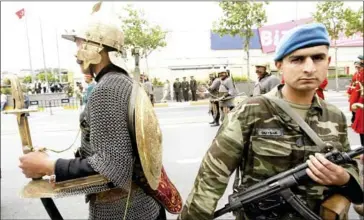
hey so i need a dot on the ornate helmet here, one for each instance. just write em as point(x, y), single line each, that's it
point(97, 35)
point(266, 65)
point(222, 69)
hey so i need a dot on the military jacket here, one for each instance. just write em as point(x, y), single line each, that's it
point(273, 143)
point(227, 88)
point(185, 86)
point(177, 86)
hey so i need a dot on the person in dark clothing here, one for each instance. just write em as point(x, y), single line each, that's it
point(193, 87)
point(177, 90)
point(185, 89)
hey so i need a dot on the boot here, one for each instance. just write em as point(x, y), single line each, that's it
point(215, 125)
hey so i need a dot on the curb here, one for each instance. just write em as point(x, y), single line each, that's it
point(183, 104)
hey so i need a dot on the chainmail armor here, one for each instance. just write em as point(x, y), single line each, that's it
point(106, 143)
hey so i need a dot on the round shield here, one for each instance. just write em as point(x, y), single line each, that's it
point(149, 138)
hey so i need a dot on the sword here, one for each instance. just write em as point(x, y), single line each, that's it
point(26, 140)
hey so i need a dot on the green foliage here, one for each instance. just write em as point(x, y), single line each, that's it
point(27, 79)
point(240, 18)
point(6, 91)
point(354, 21)
point(332, 76)
point(157, 82)
point(338, 19)
point(51, 78)
point(139, 33)
point(6, 82)
point(240, 78)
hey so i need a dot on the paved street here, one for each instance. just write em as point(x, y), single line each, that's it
point(186, 137)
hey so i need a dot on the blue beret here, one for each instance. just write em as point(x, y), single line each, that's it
point(303, 36)
point(361, 57)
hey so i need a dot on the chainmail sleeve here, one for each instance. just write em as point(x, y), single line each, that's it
point(109, 136)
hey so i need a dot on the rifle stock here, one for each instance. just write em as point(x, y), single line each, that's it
point(277, 184)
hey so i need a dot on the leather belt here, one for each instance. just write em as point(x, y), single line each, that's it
point(111, 195)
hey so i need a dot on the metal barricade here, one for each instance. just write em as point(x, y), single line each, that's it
point(65, 103)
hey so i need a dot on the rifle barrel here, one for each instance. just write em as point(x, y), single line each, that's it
point(283, 180)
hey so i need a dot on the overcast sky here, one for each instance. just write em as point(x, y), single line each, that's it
point(181, 18)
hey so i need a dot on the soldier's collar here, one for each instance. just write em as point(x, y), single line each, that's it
point(316, 102)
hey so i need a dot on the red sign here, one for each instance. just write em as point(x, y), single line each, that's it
point(20, 13)
point(271, 34)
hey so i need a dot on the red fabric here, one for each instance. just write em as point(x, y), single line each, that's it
point(355, 91)
point(354, 97)
point(360, 76)
point(324, 84)
point(320, 90)
point(320, 93)
point(353, 79)
point(358, 125)
point(20, 13)
point(168, 195)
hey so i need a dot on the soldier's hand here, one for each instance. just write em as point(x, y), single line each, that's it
point(36, 164)
point(362, 159)
point(325, 172)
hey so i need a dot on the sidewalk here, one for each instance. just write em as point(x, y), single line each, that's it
point(182, 104)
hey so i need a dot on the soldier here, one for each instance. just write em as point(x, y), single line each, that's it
point(185, 89)
point(193, 87)
point(353, 95)
point(226, 92)
point(214, 86)
point(108, 144)
point(302, 57)
point(177, 90)
point(266, 81)
point(358, 102)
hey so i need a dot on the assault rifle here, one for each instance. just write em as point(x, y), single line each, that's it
point(268, 195)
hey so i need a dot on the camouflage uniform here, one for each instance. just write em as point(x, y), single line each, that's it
point(273, 143)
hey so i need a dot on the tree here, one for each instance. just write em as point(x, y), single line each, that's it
point(239, 18)
point(338, 20)
point(50, 76)
point(27, 79)
point(354, 21)
point(139, 33)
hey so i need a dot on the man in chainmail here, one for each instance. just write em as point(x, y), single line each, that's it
point(213, 88)
point(266, 81)
point(226, 93)
point(106, 144)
